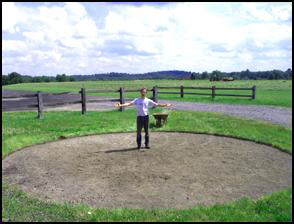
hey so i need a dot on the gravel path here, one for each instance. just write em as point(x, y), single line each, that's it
point(277, 115)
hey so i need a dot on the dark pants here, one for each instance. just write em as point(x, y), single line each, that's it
point(142, 121)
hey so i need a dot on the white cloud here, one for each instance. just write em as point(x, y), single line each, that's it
point(137, 21)
point(9, 17)
point(275, 54)
point(86, 28)
point(76, 11)
point(36, 36)
point(260, 14)
point(282, 12)
point(266, 35)
point(265, 12)
point(13, 46)
point(186, 36)
point(54, 22)
point(71, 43)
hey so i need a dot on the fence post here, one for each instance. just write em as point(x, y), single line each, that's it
point(83, 98)
point(40, 105)
point(182, 91)
point(253, 92)
point(213, 92)
point(121, 97)
point(155, 94)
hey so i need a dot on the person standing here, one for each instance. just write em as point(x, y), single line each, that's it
point(142, 104)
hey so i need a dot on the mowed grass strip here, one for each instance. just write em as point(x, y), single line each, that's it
point(268, 92)
point(18, 206)
point(22, 129)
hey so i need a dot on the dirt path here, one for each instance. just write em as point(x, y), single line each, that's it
point(277, 115)
point(180, 171)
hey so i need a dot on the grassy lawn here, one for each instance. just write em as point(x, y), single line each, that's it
point(21, 129)
point(268, 92)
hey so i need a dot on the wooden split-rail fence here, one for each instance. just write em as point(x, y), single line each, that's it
point(155, 92)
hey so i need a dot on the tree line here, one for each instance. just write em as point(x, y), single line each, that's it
point(216, 75)
point(14, 78)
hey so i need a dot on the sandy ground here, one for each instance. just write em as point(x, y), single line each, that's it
point(179, 171)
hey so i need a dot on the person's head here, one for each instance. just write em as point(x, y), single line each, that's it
point(143, 92)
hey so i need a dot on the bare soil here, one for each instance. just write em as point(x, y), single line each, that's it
point(180, 170)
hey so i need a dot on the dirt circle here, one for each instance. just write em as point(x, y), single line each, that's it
point(181, 170)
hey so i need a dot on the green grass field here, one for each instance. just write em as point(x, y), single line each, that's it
point(21, 129)
point(268, 92)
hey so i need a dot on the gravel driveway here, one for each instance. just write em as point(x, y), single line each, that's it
point(277, 115)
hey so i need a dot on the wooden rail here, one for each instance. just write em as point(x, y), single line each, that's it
point(63, 93)
point(103, 100)
point(102, 91)
point(196, 87)
point(213, 89)
point(20, 96)
point(83, 100)
point(202, 94)
point(62, 103)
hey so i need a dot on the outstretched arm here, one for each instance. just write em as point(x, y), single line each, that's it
point(164, 105)
point(124, 105)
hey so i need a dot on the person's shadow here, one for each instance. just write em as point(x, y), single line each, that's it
point(121, 150)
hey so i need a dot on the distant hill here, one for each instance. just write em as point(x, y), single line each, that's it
point(174, 74)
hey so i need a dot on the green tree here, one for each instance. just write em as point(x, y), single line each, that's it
point(61, 78)
point(5, 80)
point(46, 79)
point(270, 75)
point(204, 75)
point(245, 74)
point(58, 78)
point(15, 77)
point(278, 74)
point(216, 75)
point(289, 73)
point(37, 79)
point(27, 79)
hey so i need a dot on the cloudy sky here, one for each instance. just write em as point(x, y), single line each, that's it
point(87, 38)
